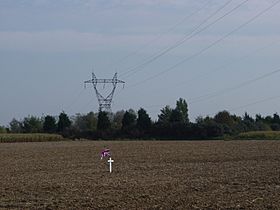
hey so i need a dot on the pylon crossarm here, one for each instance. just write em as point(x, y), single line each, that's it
point(104, 102)
point(104, 81)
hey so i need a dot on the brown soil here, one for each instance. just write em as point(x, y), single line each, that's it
point(146, 175)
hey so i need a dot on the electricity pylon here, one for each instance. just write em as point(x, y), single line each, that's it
point(104, 102)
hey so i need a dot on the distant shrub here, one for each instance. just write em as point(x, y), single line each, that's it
point(3, 129)
point(34, 137)
point(259, 135)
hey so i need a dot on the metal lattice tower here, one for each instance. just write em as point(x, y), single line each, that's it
point(104, 102)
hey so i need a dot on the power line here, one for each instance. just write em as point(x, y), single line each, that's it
point(249, 104)
point(87, 104)
point(159, 36)
point(218, 93)
point(224, 66)
point(186, 37)
point(74, 101)
point(209, 46)
point(256, 102)
point(243, 84)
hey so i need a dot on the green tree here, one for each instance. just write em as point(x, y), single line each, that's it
point(276, 118)
point(3, 129)
point(80, 122)
point(224, 117)
point(182, 108)
point(117, 119)
point(86, 122)
point(49, 125)
point(199, 120)
point(165, 115)
point(32, 124)
point(63, 122)
point(16, 126)
point(129, 120)
point(248, 118)
point(214, 129)
point(103, 122)
point(259, 118)
point(91, 121)
point(143, 121)
point(248, 123)
point(176, 117)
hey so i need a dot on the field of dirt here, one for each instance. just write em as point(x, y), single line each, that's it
point(146, 175)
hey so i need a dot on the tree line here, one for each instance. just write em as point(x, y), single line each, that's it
point(172, 123)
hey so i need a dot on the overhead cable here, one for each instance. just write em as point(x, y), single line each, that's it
point(186, 37)
point(209, 46)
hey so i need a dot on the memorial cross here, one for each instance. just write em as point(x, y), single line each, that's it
point(110, 161)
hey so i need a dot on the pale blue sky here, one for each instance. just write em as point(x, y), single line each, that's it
point(49, 47)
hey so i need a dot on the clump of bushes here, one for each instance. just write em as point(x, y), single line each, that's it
point(259, 135)
point(29, 137)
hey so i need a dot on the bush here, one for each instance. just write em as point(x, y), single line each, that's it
point(35, 137)
point(259, 135)
point(3, 129)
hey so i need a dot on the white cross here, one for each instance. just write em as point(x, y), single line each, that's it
point(110, 161)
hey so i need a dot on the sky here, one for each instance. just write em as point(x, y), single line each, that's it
point(216, 54)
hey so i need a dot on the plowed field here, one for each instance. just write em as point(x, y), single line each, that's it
point(146, 175)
